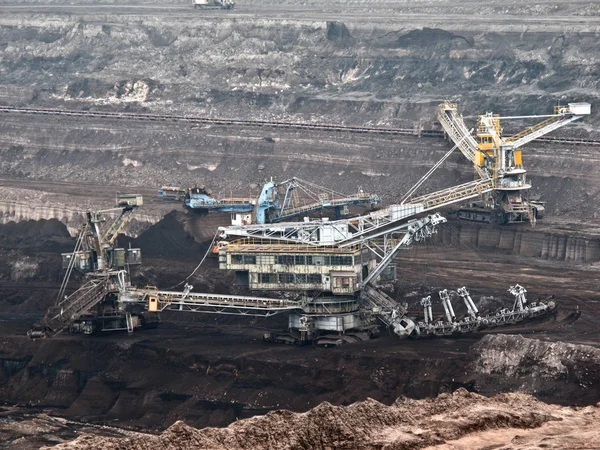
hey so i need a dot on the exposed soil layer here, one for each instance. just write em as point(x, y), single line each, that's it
point(211, 375)
point(541, 367)
point(28, 428)
point(458, 420)
point(306, 61)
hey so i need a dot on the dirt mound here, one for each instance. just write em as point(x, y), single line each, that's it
point(369, 424)
point(338, 33)
point(31, 232)
point(168, 239)
point(30, 265)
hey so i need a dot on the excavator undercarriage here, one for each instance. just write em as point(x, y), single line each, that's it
point(478, 212)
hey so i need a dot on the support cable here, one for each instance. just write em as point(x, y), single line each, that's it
point(71, 265)
point(208, 250)
point(425, 177)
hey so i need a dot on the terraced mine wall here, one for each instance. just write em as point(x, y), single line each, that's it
point(289, 60)
point(523, 241)
point(362, 72)
point(389, 72)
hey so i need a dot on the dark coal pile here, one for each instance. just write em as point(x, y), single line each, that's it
point(46, 235)
point(168, 239)
point(30, 265)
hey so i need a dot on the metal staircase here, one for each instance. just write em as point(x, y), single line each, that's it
point(76, 304)
point(532, 133)
point(455, 128)
point(379, 299)
point(117, 226)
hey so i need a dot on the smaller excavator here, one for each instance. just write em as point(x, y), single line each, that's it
point(95, 306)
point(277, 201)
point(498, 163)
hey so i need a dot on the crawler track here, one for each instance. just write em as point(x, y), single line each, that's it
point(261, 123)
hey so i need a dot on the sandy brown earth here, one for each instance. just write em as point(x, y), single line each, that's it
point(451, 421)
point(211, 371)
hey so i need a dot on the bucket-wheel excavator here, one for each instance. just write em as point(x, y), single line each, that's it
point(329, 269)
point(338, 264)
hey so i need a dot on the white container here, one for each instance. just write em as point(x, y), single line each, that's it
point(398, 212)
point(580, 109)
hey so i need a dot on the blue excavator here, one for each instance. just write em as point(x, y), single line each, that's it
point(276, 202)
